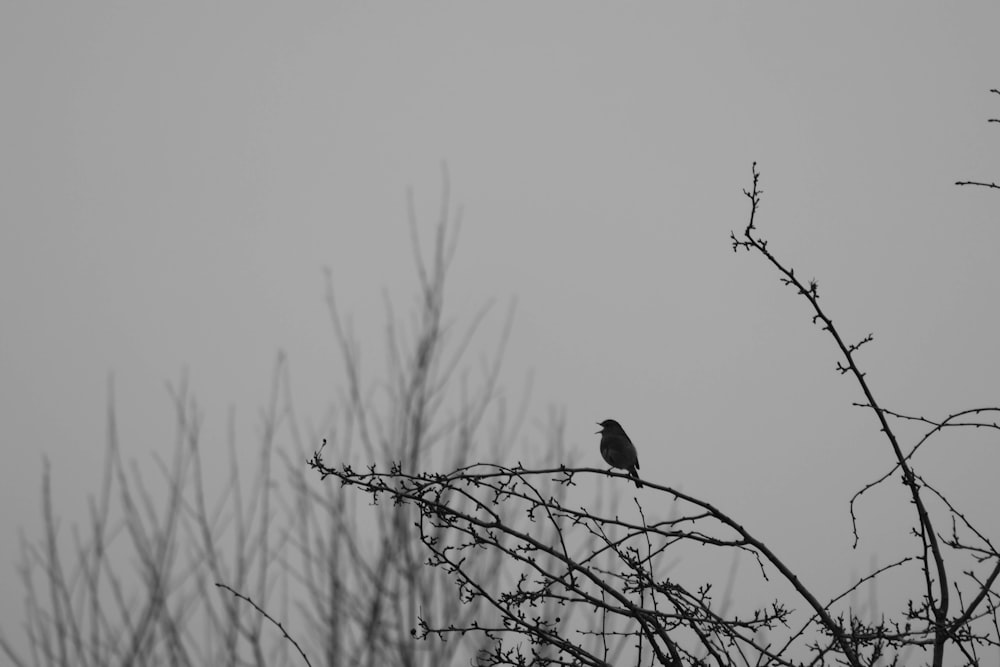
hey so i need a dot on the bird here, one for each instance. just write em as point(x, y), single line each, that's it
point(617, 449)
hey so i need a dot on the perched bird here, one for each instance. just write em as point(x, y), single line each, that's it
point(618, 450)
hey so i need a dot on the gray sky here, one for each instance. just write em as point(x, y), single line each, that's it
point(174, 178)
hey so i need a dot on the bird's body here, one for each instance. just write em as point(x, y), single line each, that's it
point(617, 449)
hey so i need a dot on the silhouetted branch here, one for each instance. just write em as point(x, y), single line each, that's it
point(984, 184)
point(560, 558)
point(934, 609)
point(263, 613)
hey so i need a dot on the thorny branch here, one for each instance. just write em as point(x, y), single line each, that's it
point(559, 558)
point(936, 600)
point(984, 184)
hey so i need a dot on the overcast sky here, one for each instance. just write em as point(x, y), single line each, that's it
point(175, 177)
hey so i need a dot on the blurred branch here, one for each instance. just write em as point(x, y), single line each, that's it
point(349, 576)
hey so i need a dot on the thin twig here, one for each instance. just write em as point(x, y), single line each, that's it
point(268, 617)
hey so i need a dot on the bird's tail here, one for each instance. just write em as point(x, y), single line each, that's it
point(635, 478)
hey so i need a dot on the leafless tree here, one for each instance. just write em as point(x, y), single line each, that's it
point(193, 568)
point(611, 573)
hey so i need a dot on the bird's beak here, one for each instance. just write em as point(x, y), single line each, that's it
point(602, 428)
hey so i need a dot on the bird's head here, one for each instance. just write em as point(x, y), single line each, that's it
point(610, 426)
